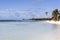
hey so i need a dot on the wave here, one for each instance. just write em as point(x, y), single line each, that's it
point(53, 22)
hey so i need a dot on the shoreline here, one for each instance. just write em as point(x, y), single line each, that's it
point(54, 22)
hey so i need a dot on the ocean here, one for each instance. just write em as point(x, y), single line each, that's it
point(29, 30)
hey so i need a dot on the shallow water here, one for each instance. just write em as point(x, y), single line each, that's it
point(39, 30)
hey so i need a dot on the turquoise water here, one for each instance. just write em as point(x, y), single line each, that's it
point(37, 30)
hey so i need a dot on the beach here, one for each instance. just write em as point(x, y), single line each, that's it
point(38, 30)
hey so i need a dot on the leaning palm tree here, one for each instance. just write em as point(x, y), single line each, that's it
point(55, 14)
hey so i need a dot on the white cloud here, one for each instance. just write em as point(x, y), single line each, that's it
point(19, 14)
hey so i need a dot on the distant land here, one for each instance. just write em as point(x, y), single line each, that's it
point(40, 19)
point(32, 19)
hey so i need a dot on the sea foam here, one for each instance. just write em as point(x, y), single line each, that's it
point(54, 22)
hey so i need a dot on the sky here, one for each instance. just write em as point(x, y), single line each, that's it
point(25, 9)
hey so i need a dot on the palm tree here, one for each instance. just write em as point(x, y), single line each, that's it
point(55, 14)
point(46, 13)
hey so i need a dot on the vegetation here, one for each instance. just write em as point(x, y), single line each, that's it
point(40, 19)
point(46, 13)
point(55, 16)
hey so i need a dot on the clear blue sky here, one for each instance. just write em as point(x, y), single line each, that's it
point(18, 9)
